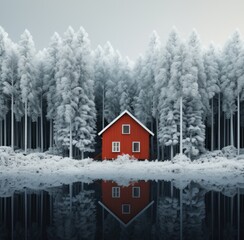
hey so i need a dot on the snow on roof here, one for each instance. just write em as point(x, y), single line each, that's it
point(123, 113)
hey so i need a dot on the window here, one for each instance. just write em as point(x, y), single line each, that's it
point(115, 146)
point(115, 192)
point(136, 192)
point(125, 208)
point(126, 129)
point(135, 146)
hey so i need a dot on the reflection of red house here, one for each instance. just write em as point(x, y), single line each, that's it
point(126, 203)
point(125, 135)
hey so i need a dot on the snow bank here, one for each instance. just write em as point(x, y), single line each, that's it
point(42, 170)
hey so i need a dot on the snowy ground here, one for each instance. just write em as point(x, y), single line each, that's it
point(41, 170)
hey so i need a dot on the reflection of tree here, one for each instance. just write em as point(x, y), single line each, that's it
point(35, 231)
point(141, 227)
point(19, 232)
point(85, 215)
point(168, 218)
point(3, 233)
point(74, 218)
point(194, 209)
point(111, 227)
point(230, 232)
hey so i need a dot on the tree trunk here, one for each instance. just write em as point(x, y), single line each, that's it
point(70, 141)
point(29, 133)
point(82, 154)
point(37, 143)
point(21, 124)
point(227, 132)
point(219, 124)
point(181, 126)
point(224, 132)
point(5, 130)
point(103, 108)
point(41, 128)
point(1, 132)
point(158, 146)
point(17, 134)
point(26, 126)
point(151, 138)
point(212, 125)
point(238, 124)
point(171, 152)
point(242, 136)
point(51, 133)
point(231, 131)
point(12, 121)
point(190, 152)
point(162, 152)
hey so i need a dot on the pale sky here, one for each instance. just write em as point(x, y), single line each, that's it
point(127, 24)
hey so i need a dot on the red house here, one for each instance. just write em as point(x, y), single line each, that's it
point(126, 204)
point(125, 135)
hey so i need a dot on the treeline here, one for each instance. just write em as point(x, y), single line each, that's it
point(60, 97)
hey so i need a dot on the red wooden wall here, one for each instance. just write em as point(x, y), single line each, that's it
point(114, 134)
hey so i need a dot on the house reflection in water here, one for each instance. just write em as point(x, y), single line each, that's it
point(126, 203)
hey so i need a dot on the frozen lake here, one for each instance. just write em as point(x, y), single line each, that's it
point(138, 210)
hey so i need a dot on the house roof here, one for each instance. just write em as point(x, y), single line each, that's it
point(122, 114)
point(136, 216)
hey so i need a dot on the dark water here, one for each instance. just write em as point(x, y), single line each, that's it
point(142, 210)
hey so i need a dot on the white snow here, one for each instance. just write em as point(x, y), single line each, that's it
point(42, 170)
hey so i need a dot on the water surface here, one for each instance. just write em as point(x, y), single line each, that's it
point(138, 210)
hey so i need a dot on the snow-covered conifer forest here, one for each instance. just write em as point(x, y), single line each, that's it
point(58, 98)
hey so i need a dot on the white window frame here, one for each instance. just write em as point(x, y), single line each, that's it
point(133, 192)
point(123, 128)
point(115, 192)
point(123, 208)
point(113, 147)
point(133, 147)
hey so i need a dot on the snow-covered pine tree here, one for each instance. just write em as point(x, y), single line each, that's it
point(100, 80)
point(26, 72)
point(184, 84)
point(144, 100)
point(163, 69)
point(211, 67)
point(229, 78)
point(11, 81)
point(168, 130)
point(195, 48)
point(85, 116)
point(68, 89)
point(163, 106)
point(112, 98)
point(40, 90)
point(218, 52)
point(3, 101)
point(51, 82)
point(126, 86)
point(240, 91)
